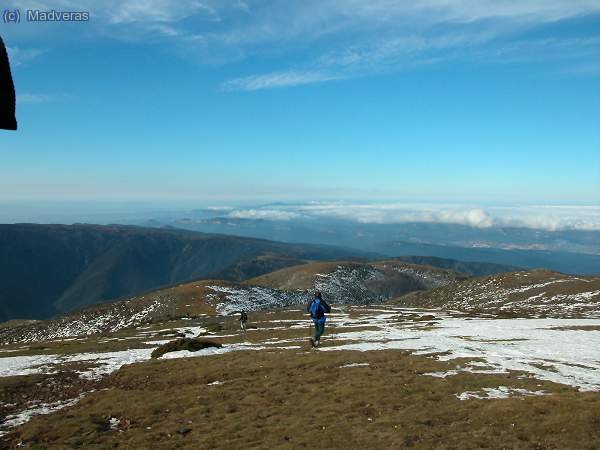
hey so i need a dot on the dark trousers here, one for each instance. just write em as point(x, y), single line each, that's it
point(319, 329)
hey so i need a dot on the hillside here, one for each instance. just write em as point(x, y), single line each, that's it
point(51, 269)
point(357, 283)
point(341, 283)
point(538, 293)
point(385, 376)
point(473, 268)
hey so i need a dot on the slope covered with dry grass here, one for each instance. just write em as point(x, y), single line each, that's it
point(386, 376)
point(538, 293)
point(289, 399)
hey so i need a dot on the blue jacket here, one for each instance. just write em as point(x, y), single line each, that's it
point(317, 309)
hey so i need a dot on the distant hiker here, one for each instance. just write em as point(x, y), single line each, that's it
point(317, 309)
point(243, 319)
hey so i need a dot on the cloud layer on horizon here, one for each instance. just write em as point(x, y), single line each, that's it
point(543, 217)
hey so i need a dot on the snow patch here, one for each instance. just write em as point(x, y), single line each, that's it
point(114, 423)
point(15, 420)
point(354, 365)
point(570, 357)
point(251, 298)
point(498, 393)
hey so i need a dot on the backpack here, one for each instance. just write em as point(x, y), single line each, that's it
point(318, 310)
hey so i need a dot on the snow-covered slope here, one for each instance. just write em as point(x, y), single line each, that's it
point(340, 283)
point(231, 299)
point(359, 283)
point(108, 318)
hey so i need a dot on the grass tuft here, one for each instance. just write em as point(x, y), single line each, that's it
point(190, 344)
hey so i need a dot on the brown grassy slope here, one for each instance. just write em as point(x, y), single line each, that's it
point(298, 399)
point(192, 294)
point(177, 298)
point(296, 277)
point(522, 293)
point(303, 276)
point(185, 300)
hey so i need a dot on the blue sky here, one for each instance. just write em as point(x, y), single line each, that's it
point(489, 102)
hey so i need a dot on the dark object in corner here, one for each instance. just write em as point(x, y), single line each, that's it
point(8, 121)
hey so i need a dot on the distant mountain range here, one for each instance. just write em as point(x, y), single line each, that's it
point(474, 268)
point(51, 269)
point(566, 262)
point(537, 293)
point(48, 270)
point(341, 282)
point(568, 251)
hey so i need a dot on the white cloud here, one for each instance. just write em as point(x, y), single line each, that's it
point(20, 56)
point(252, 22)
point(219, 208)
point(354, 37)
point(399, 213)
point(266, 214)
point(33, 98)
point(277, 80)
point(27, 97)
point(537, 217)
point(151, 11)
point(474, 10)
point(583, 69)
point(386, 36)
point(123, 11)
point(310, 16)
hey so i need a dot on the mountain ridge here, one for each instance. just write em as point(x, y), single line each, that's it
point(347, 283)
point(49, 269)
point(534, 293)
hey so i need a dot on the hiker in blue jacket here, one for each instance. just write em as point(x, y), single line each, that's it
point(317, 309)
